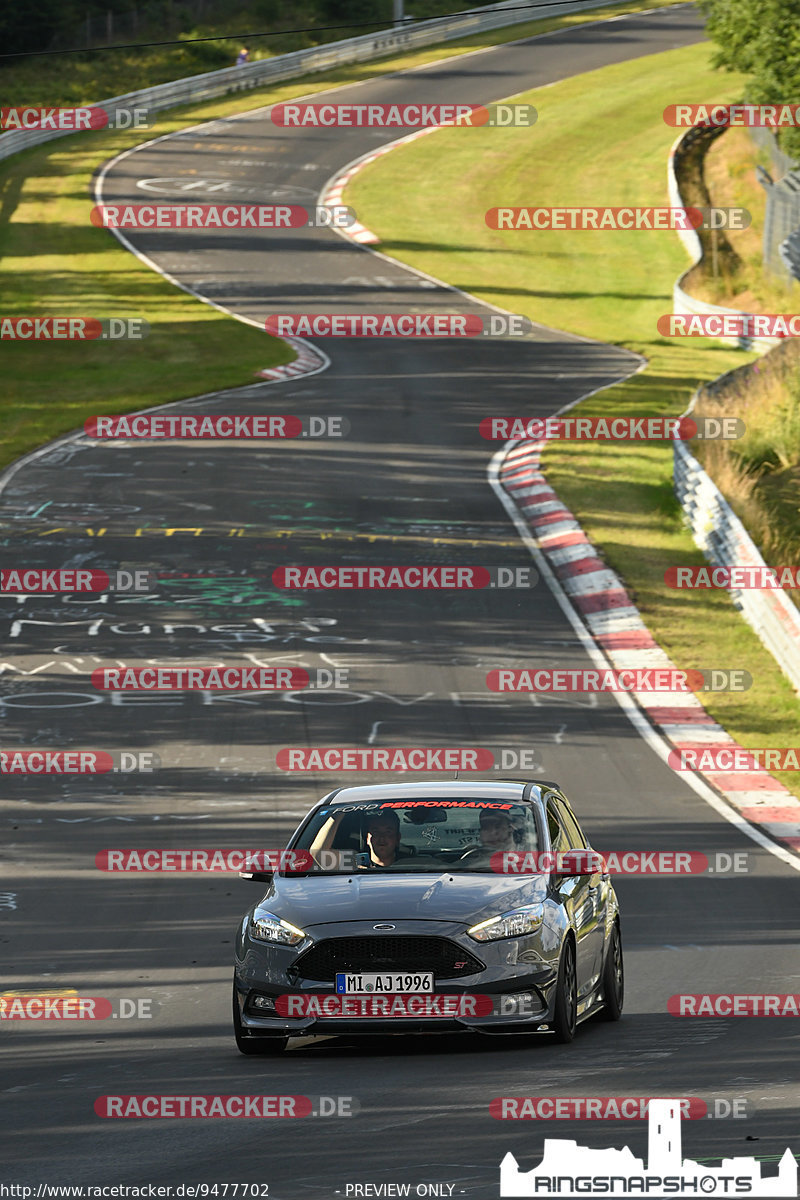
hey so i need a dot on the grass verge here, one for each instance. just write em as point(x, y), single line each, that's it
point(591, 145)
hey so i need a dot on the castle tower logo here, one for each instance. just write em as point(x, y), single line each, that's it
point(569, 1170)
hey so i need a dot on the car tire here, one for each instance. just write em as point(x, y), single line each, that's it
point(613, 978)
point(565, 1014)
point(262, 1046)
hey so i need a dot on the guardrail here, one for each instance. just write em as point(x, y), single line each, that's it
point(725, 542)
point(716, 529)
point(789, 251)
point(368, 46)
point(683, 301)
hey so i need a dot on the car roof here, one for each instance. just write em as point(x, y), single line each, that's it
point(498, 789)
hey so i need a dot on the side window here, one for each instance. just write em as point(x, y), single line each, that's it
point(576, 839)
point(558, 839)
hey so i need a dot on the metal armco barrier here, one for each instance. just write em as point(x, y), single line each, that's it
point(719, 533)
point(304, 62)
point(716, 529)
point(789, 251)
point(682, 301)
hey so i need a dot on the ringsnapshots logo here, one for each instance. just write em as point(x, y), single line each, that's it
point(221, 216)
point(215, 427)
point(568, 1169)
point(74, 120)
point(640, 218)
point(634, 679)
point(610, 429)
point(19, 581)
point(398, 325)
point(73, 329)
point(403, 578)
point(403, 116)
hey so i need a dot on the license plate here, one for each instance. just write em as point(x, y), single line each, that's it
point(388, 981)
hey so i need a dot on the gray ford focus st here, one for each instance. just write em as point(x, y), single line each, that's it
point(430, 907)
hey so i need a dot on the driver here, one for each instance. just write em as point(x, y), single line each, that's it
point(383, 838)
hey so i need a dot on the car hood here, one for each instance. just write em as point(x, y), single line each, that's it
point(328, 899)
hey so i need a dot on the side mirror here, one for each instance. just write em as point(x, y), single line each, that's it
point(580, 863)
point(257, 876)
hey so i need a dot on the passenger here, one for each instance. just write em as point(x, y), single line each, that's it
point(497, 830)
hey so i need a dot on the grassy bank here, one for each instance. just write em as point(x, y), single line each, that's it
point(592, 145)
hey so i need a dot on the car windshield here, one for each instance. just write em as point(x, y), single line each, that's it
point(416, 835)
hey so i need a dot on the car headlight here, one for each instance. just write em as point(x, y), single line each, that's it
point(269, 928)
point(516, 923)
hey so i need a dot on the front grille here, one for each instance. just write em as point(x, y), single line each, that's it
point(321, 962)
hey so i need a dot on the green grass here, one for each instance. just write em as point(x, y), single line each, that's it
point(54, 263)
point(600, 139)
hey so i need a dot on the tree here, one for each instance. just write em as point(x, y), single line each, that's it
point(760, 38)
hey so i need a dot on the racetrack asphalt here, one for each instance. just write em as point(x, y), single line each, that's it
point(408, 485)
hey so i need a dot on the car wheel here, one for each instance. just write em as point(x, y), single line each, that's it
point(613, 978)
point(565, 1016)
point(254, 1045)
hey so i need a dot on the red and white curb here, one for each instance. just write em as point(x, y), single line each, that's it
point(309, 360)
point(616, 626)
point(334, 189)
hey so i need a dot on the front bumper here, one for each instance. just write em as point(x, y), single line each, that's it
point(510, 967)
